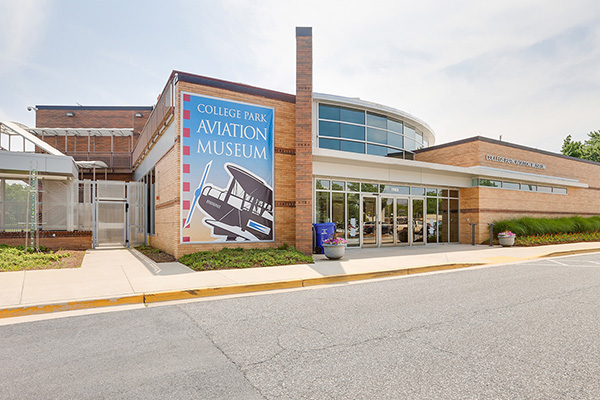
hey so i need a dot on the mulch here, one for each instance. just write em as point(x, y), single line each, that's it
point(158, 256)
point(72, 261)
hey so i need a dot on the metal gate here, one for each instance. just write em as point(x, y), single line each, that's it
point(118, 218)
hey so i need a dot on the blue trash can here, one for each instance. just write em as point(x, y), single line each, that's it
point(322, 231)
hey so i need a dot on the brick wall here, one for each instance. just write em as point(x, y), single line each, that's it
point(484, 205)
point(105, 117)
point(304, 89)
point(167, 214)
point(55, 240)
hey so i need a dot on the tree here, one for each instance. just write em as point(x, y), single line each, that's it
point(587, 150)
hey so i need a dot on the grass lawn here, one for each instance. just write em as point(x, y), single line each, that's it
point(244, 258)
point(17, 259)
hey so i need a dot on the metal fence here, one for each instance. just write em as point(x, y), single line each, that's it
point(112, 210)
point(164, 106)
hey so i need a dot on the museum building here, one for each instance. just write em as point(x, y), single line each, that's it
point(227, 164)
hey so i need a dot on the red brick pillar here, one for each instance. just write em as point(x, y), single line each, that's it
point(304, 140)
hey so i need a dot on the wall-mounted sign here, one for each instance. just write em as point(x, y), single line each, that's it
point(226, 171)
point(507, 160)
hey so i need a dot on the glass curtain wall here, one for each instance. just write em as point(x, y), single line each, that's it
point(365, 132)
point(434, 217)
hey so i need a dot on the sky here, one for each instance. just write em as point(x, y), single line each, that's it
point(526, 70)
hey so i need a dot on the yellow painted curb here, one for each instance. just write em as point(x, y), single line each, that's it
point(156, 297)
point(219, 291)
point(72, 305)
point(569, 252)
point(383, 274)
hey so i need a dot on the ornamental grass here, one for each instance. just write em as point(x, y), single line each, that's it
point(557, 238)
point(529, 226)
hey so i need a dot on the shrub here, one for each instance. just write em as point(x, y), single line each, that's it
point(528, 226)
point(244, 258)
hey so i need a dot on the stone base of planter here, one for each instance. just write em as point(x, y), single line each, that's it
point(334, 251)
point(506, 241)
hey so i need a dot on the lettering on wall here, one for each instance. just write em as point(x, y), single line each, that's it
point(507, 160)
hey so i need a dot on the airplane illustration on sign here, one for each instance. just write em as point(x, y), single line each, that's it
point(241, 212)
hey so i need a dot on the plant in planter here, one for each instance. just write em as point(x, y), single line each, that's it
point(506, 238)
point(334, 247)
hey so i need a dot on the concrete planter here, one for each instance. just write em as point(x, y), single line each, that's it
point(506, 241)
point(334, 251)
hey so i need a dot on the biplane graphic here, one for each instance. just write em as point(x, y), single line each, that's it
point(242, 211)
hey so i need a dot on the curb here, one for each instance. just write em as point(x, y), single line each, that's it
point(156, 297)
point(71, 305)
point(569, 253)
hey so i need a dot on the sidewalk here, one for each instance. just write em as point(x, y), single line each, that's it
point(123, 276)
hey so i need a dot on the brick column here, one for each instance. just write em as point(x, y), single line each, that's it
point(304, 91)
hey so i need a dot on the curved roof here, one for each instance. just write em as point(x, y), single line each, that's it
point(421, 125)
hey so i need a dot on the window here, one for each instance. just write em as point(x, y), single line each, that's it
point(544, 189)
point(395, 189)
point(417, 191)
point(359, 131)
point(511, 185)
point(375, 120)
point(338, 185)
point(376, 135)
point(329, 129)
point(354, 116)
point(352, 132)
point(352, 147)
point(369, 187)
point(558, 190)
point(322, 184)
point(377, 150)
point(322, 207)
point(329, 144)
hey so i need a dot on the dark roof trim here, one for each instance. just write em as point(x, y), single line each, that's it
point(234, 87)
point(73, 108)
point(507, 144)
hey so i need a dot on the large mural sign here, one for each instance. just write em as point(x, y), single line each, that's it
point(226, 171)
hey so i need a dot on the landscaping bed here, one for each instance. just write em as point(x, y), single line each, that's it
point(156, 255)
point(244, 258)
point(545, 231)
point(18, 259)
point(557, 238)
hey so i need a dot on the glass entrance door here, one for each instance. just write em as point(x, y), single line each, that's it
point(417, 221)
point(386, 217)
point(402, 220)
point(369, 221)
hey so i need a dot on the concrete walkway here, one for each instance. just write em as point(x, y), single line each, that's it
point(123, 276)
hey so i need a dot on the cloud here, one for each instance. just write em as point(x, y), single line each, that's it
point(23, 24)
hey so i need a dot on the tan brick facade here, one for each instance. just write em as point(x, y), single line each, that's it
point(92, 117)
point(168, 218)
point(304, 165)
point(484, 205)
point(54, 240)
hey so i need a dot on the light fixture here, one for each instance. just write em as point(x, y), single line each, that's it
point(138, 115)
point(70, 114)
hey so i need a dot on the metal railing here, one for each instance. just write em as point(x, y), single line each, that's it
point(164, 106)
point(114, 160)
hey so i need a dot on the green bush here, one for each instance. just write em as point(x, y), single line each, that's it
point(244, 258)
point(528, 226)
